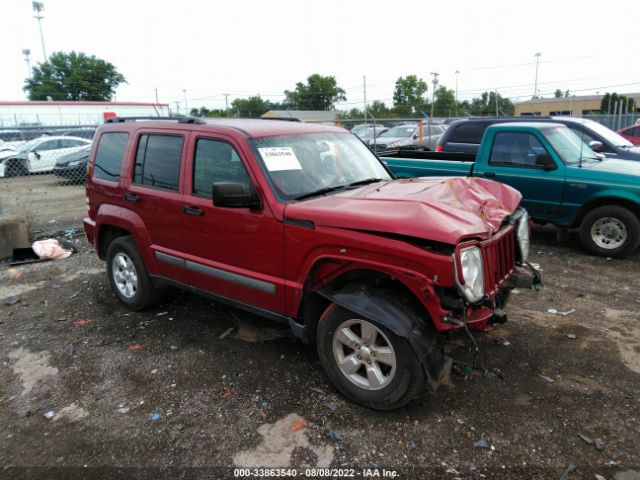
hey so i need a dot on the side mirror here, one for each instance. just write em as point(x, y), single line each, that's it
point(595, 145)
point(545, 161)
point(415, 137)
point(35, 152)
point(235, 195)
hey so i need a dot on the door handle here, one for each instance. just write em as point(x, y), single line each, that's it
point(131, 197)
point(198, 212)
point(489, 175)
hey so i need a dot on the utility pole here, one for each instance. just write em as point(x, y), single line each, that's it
point(156, 95)
point(364, 88)
point(433, 94)
point(177, 102)
point(457, 73)
point(226, 102)
point(186, 107)
point(26, 52)
point(38, 7)
point(535, 85)
point(497, 109)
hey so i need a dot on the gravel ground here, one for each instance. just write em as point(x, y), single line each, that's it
point(192, 389)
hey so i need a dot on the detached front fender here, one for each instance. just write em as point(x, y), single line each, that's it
point(402, 316)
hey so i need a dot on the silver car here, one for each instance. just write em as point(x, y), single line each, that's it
point(409, 134)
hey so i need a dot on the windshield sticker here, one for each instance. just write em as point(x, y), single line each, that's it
point(280, 158)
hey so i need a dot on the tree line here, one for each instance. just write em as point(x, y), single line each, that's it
point(75, 76)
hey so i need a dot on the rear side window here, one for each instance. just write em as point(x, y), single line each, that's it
point(216, 161)
point(158, 161)
point(471, 132)
point(109, 156)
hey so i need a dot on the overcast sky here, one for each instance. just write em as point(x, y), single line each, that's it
point(244, 47)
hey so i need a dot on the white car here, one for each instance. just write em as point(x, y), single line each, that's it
point(39, 155)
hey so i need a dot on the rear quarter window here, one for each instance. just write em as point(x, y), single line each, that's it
point(468, 133)
point(109, 156)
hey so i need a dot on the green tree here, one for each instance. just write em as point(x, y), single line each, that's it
point(408, 95)
point(73, 76)
point(319, 93)
point(252, 107)
point(610, 100)
point(379, 110)
point(486, 105)
point(445, 104)
point(558, 93)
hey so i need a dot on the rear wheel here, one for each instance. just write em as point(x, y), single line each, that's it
point(610, 231)
point(128, 276)
point(366, 361)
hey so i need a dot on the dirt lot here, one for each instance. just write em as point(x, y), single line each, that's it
point(172, 389)
point(46, 201)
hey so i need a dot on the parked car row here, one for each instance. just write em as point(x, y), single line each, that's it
point(382, 137)
point(39, 155)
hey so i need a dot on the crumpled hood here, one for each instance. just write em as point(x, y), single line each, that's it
point(441, 209)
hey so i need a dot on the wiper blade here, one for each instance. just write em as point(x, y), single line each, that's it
point(317, 193)
point(365, 182)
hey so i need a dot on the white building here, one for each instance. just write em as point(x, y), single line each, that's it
point(33, 114)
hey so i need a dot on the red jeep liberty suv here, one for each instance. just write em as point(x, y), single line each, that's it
point(303, 224)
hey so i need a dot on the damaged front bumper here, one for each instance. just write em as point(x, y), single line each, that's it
point(490, 311)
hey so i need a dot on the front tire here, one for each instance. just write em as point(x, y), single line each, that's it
point(366, 361)
point(610, 231)
point(128, 276)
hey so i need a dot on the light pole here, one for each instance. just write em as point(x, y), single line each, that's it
point(26, 52)
point(535, 85)
point(38, 7)
point(186, 107)
point(457, 72)
point(433, 94)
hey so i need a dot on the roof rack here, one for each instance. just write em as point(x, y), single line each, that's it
point(199, 121)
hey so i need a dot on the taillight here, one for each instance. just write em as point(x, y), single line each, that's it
point(439, 148)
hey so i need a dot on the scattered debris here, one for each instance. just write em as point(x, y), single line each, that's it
point(49, 415)
point(123, 410)
point(571, 336)
point(452, 471)
point(74, 294)
point(482, 443)
point(600, 477)
point(173, 347)
point(226, 393)
point(72, 348)
point(503, 341)
point(10, 303)
point(161, 314)
point(154, 417)
point(52, 249)
point(136, 347)
point(335, 436)
point(548, 379)
point(567, 472)
point(317, 390)
point(298, 425)
point(226, 333)
point(82, 322)
point(560, 312)
point(592, 441)
point(329, 405)
point(72, 413)
point(154, 371)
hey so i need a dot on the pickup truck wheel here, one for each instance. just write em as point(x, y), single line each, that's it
point(610, 231)
point(128, 276)
point(366, 361)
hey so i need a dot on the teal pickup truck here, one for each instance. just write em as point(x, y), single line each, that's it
point(561, 179)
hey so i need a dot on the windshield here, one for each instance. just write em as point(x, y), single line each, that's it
point(568, 145)
point(399, 132)
point(298, 165)
point(609, 135)
point(25, 147)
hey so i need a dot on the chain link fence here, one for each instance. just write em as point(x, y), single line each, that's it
point(42, 175)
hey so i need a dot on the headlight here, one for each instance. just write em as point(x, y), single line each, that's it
point(472, 274)
point(74, 163)
point(523, 236)
point(394, 144)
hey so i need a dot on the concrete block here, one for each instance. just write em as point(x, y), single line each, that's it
point(13, 234)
